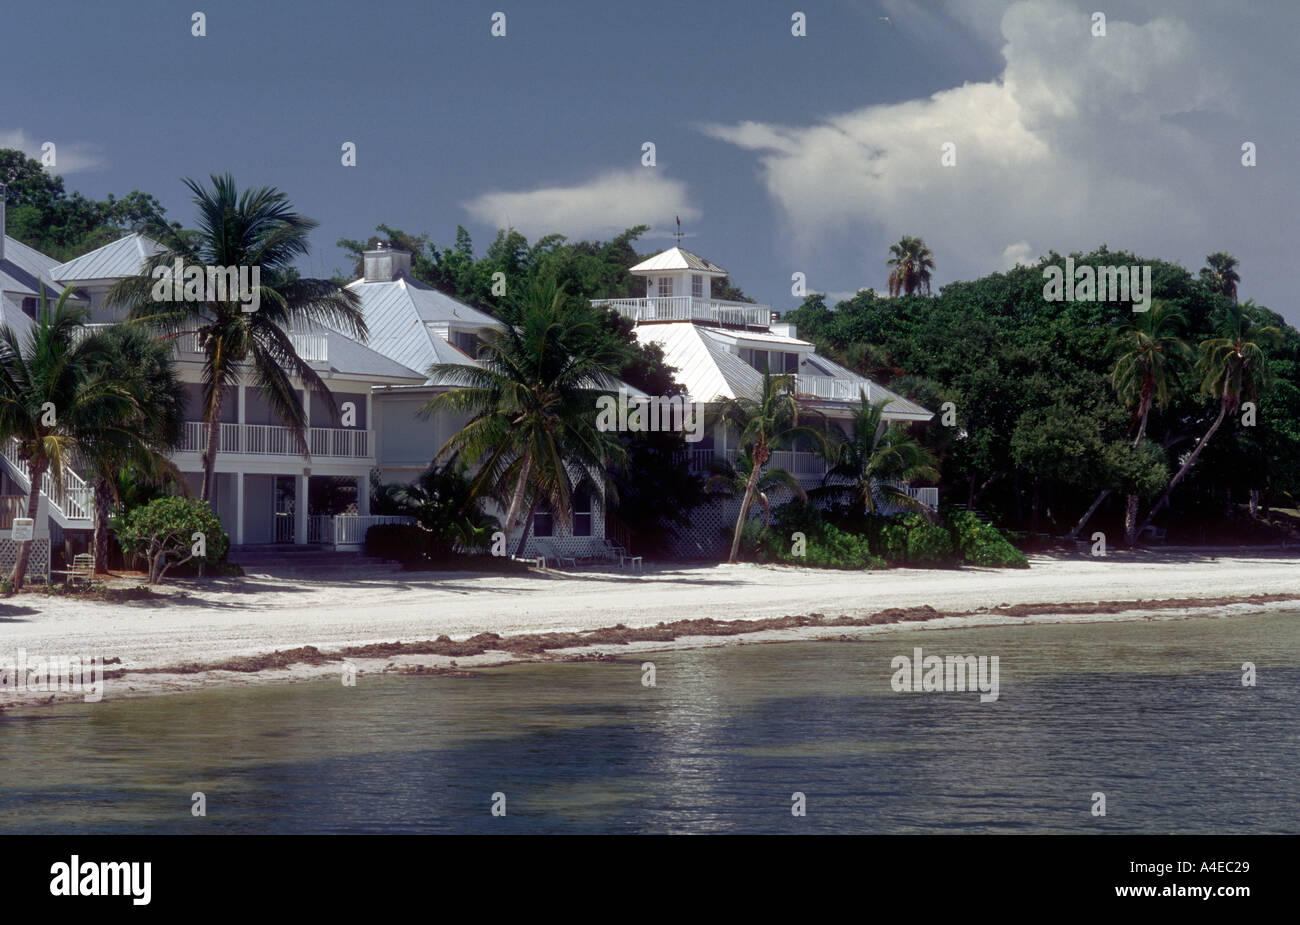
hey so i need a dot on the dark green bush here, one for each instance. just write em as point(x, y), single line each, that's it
point(980, 544)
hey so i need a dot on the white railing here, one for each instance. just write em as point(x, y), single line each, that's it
point(689, 308)
point(831, 388)
point(314, 348)
point(350, 529)
point(320, 528)
point(276, 440)
point(72, 498)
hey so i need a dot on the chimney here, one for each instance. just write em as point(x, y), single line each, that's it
point(384, 264)
point(783, 329)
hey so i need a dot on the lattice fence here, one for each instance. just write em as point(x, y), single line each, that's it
point(38, 566)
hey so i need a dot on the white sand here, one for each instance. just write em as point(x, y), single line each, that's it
point(256, 615)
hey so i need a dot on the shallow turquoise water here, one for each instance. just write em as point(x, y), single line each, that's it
point(1153, 714)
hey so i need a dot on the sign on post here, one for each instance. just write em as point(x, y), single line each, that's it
point(24, 529)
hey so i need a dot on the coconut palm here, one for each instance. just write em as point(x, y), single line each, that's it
point(257, 228)
point(912, 263)
point(533, 428)
point(876, 458)
point(732, 480)
point(1220, 274)
point(138, 448)
point(57, 397)
point(1232, 366)
point(761, 425)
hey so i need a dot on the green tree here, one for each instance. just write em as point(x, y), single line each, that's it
point(139, 447)
point(876, 457)
point(912, 264)
point(533, 429)
point(1220, 274)
point(761, 425)
point(53, 402)
point(163, 533)
point(1231, 366)
point(257, 228)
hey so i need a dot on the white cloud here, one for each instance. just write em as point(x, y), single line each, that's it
point(69, 156)
point(604, 205)
point(1076, 142)
point(1018, 253)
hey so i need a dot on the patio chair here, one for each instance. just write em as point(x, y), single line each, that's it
point(83, 568)
point(548, 551)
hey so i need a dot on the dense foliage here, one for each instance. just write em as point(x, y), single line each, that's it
point(172, 531)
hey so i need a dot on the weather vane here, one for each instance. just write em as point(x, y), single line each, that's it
point(678, 233)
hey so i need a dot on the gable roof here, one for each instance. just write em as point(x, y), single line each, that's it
point(24, 269)
point(118, 260)
point(678, 258)
point(404, 318)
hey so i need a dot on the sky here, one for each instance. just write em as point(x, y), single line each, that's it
point(781, 154)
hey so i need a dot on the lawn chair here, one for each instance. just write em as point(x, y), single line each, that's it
point(1157, 534)
point(83, 568)
point(549, 551)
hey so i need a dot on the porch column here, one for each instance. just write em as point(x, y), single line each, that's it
point(363, 495)
point(239, 496)
point(300, 508)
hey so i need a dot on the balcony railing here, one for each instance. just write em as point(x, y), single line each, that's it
point(276, 440)
point(314, 348)
point(688, 308)
point(11, 506)
point(829, 388)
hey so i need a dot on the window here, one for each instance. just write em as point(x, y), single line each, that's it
point(465, 341)
point(543, 520)
point(697, 286)
point(582, 512)
point(791, 362)
point(29, 308)
point(665, 287)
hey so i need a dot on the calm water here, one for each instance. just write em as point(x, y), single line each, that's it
point(1153, 714)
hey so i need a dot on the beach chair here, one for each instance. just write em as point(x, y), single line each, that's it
point(1156, 534)
point(83, 568)
point(549, 551)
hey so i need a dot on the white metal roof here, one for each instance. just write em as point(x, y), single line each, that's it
point(24, 269)
point(737, 336)
point(677, 258)
point(122, 258)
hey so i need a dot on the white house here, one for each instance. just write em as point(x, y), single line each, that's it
point(720, 350)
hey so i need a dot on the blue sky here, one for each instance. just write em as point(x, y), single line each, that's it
point(781, 154)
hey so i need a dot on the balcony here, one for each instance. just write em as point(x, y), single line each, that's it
point(687, 308)
point(828, 388)
point(808, 469)
point(276, 440)
point(314, 348)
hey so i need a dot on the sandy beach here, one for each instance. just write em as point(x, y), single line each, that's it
point(215, 621)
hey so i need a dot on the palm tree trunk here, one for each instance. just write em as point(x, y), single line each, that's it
point(1105, 493)
point(745, 503)
point(103, 505)
point(210, 454)
point(517, 499)
point(36, 471)
point(1191, 459)
point(528, 526)
point(1130, 520)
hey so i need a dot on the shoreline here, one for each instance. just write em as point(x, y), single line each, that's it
point(254, 630)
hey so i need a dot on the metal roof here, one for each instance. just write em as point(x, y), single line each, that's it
point(24, 269)
point(124, 257)
point(757, 337)
point(677, 258)
point(401, 316)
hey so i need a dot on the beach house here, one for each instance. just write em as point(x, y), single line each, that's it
point(720, 349)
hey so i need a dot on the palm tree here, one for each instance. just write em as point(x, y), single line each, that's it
point(732, 480)
point(912, 263)
point(533, 404)
point(875, 457)
point(139, 447)
point(1150, 351)
point(1232, 366)
point(1220, 274)
point(257, 228)
point(53, 403)
point(762, 425)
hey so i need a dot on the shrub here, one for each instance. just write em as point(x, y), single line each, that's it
point(981, 544)
point(928, 544)
point(168, 532)
point(399, 542)
point(825, 545)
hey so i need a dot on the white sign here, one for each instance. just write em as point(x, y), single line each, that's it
point(24, 528)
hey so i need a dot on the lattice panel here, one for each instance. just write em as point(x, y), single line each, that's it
point(38, 565)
